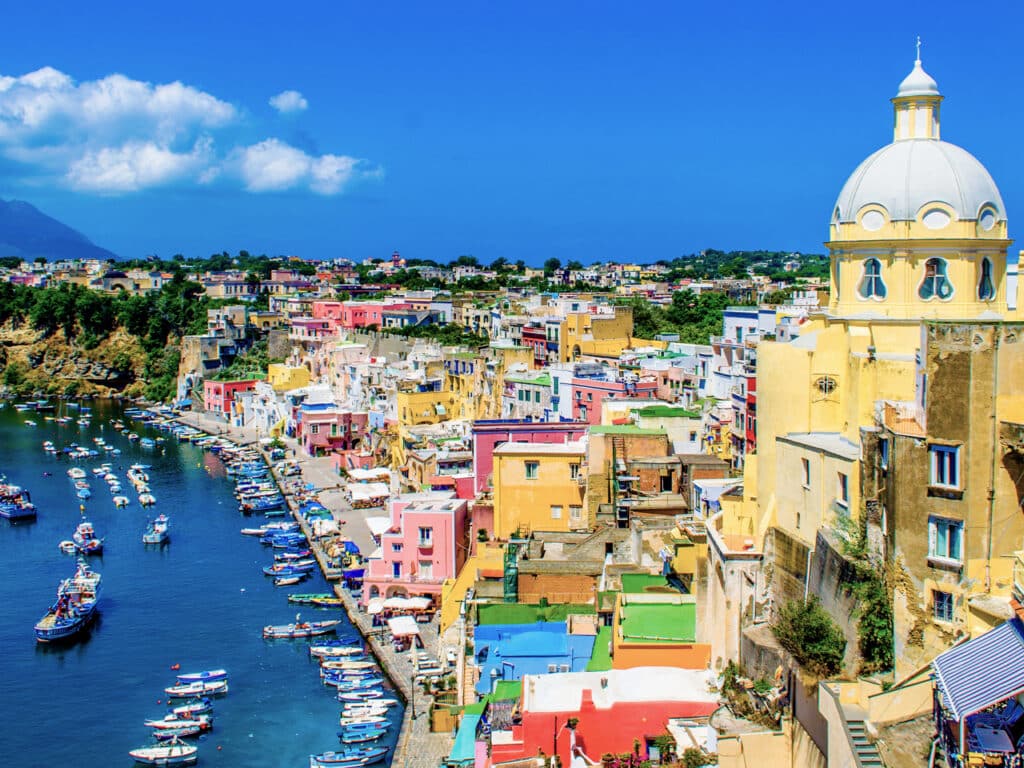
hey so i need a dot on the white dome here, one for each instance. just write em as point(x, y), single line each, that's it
point(918, 83)
point(905, 175)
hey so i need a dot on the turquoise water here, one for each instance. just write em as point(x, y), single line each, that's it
point(200, 601)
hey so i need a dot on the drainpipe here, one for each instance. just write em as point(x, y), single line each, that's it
point(992, 468)
point(807, 572)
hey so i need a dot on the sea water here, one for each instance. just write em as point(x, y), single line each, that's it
point(200, 601)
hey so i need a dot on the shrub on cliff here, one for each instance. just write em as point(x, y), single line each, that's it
point(806, 630)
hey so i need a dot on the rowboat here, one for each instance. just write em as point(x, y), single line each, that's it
point(349, 665)
point(349, 758)
point(288, 581)
point(308, 598)
point(361, 737)
point(206, 676)
point(204, 722)
point(188, 690)
point(334, 652)
point(363, 719)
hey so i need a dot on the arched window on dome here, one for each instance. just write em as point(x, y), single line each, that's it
point(986, 288)
point(871, 284)
point(935, 283)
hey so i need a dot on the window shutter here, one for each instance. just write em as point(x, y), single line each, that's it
point(931, 537)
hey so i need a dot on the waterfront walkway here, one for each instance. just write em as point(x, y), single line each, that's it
point(417, 747)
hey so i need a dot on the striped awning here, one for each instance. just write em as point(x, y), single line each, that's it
point(983, 671)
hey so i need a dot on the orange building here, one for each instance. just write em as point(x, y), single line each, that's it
point(657, 630)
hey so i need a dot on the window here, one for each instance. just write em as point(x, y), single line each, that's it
point(843, 489)
point(883, 452)
point(396, 547)
point(552, 668)
point(590, 396)
point(583, 412)
point(806, 465)
point(554, 386)
point(314, 429)
point(945, 466)
point(666, 484)
point(945, 539)
point(536, 396)
point(426, 569)
point(531, 470)
point(575, 513)
point(942, 605)
point(563, 667)
point(871, 284)
point(396, 570)
point(574, 471)
point(986, 290)
point(935, 283)
point(739, 335)
point(693, 436)
point(426, 537)
point(556, 511)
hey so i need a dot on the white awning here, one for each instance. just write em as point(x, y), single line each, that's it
point(403, 626)
point(407, 603)
point(375, 605)
point(378, 525)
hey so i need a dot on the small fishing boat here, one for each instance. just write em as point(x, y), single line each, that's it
point(29, 423)
point(190, 690)
point(335, 652)
point(367, 720)
point(68, 547)
point(184, 732)
point(157, 532)
point(16, 504)
point(147, 499)
point(304, 598)
point(291, 569)
point(83, 493)
point(74, 609)
point(147, 442)
point(353, 757)
point(361, 695)
point(121, 501)
point(350, 665)
point(327, 602)
point(206, 676)
point(86, 540)
point(202, 706)
point(355, 708)
point(174, 753)
point(76, 473)
point(289, 581)
point(173, 720)
point(301, 629)
point(361, 736)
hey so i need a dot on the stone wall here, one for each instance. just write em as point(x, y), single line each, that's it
point(557, 588)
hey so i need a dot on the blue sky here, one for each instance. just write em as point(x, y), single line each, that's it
point(582, 130)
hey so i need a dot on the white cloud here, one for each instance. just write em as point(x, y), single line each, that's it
point(116, 135)
point(135, 166)
point(273, 165)
point(289, 101)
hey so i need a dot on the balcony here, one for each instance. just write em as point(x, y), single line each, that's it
point(425, 543)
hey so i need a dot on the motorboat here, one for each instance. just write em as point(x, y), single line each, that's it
point(75, 607)
point(206, 676)
point(300, 629)
point(157, 532)
point(190, 690)
point(174, 753)
point(121, 501)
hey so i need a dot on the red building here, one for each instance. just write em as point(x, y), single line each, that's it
point(489, 434)
point(219, 396)
point(611, 709)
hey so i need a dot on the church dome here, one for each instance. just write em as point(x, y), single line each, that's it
point(905, 176)
point(918, 83)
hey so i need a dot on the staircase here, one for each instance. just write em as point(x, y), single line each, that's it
point(865, 751)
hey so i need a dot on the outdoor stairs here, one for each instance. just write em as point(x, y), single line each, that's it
point(863, 749)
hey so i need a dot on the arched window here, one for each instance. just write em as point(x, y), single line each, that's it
point(986, 289)
point(871, 285)
point(935, 283)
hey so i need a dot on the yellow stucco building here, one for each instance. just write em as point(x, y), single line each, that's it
point(896, 385)
point(536, 488)
point(286, 377)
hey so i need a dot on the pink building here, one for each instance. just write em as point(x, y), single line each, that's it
point(219, 396)
point(361, 314)
point(311, 330)
point(489, 434)
point(424, 546)
point(588, 394)
point(328, 310)
point(323, 429)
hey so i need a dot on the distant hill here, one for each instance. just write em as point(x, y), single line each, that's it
point(27, 232)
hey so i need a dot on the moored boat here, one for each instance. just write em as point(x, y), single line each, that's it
point(174, 720)
point(349, 758)
point(308, 598)
point(86, 540)
point(75, 607)
point(174, 753)
point(300, 629)
point(157, 532)
point(189, 690)
point(206, 676)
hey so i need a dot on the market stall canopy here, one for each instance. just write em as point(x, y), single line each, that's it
point(403, 626)
point(378, 525)
point(407, 603)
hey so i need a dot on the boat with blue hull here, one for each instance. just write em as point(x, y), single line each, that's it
point(352, 757)
point(75, 607)
point(157, 532)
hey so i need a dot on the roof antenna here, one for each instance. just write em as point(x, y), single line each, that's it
point(918, 50)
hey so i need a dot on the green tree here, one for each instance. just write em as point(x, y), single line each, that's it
point(574, 265)
point(551, 266)
point(806, 630)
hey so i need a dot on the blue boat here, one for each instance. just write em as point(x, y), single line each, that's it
point(75, 607)
point(351, 757)
point(287, 570)
point(15, 503)
point(206, 676)
point(83, 493)
point(147, 442)
point(361, 736)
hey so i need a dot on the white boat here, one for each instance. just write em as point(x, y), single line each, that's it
point(147, 499)
point(175, 752)
point(353, 708)
point(99, 471)
point(206, 676)
point(76, 473)
point(332, 651)
point(175, 720)
point(121, 501)
point(363, 720)
point(68, 547)
point(29, 423)
point(190, 690)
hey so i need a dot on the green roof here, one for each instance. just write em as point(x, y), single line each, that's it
point(659, 623)
point(518, 613)
point(544, 380)
point(624, 429)
point(601, 656)
point(506, 690)
point(477, 708)
point(666, 412)
point(638, 583)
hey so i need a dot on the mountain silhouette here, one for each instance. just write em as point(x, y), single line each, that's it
point(27, 232)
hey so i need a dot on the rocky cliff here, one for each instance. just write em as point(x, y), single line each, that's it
point(30, 362)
